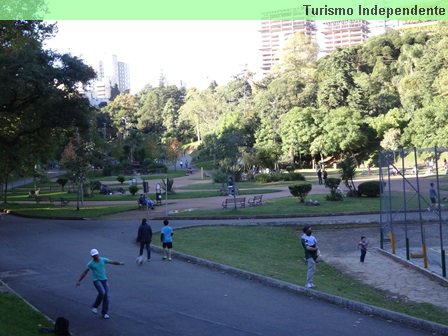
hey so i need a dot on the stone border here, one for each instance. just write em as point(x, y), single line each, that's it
point(363, 308)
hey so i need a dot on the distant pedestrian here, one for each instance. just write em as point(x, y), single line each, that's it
point(325, 177)
point(144, 237)
point(432, 197)
point(309, 244)
point(362, 245)
point(98, 267)
point(181, 164)
point(166, 237)
point(319, 176)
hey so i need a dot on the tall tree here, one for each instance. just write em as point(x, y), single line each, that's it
point(39, 97)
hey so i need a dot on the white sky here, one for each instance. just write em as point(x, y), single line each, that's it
point(195, 52)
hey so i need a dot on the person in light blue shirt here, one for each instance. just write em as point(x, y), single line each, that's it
point(166, 237)
point(98, 267)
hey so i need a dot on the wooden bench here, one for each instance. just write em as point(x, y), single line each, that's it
point(239, 201)
point(256, 200)
point(64, 202)
point(44, 199)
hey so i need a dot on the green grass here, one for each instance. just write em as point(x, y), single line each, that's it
point(275, 252)
point(19, 319)
point(54, 211)
point(171, 174)
point(214, 193)
point(240, 185)
point(291, 206)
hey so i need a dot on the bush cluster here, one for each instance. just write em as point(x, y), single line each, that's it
point(266, 178)
point(369, 189)
point(335, 197)
point(300, 190)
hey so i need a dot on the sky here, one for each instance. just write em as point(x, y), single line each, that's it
point(194, 52)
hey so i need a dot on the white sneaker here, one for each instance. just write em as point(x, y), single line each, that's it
point(308, 285)
point(106, 316)
point(94, 310)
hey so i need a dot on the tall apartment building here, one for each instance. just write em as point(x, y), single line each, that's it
point(276, 27)
point(110, 72)
point(124, 81)
point(342, 33)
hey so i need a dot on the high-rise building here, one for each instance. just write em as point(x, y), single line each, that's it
point(342, 33)
point(276, 28)
point(123, 76)
point(110, 72)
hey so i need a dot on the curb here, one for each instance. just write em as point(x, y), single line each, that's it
point(363, 308)
point(439, 279)
point(10, 290)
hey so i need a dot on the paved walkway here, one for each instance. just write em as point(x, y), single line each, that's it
point(339, 246)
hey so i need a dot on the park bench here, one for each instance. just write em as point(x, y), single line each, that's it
point(239, 201)
point(43, 199)
point(64, 202)
point(256, 200)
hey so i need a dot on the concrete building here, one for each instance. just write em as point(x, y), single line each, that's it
point(276, 28)
point(110, 72)
point(342, 33)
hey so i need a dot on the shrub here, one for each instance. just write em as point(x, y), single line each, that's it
point(296, 177)
point(333, 184)
point(219, 176)
point(262, 178)
point(300, 190)
point(120, 179)
point(266, 178)
point(62, 181)
point(369, 188)
point(133, 189)
point(334, 197)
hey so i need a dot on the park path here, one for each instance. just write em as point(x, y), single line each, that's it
point(339, 246)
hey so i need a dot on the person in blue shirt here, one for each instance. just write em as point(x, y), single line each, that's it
point(98, 267)
point(166, 237)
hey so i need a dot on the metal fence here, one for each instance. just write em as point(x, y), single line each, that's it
point(412, 225)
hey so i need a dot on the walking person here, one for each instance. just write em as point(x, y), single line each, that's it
point(98, 267)
point(144, 237)
point(325, 177)
point(362, 245)
point(319, 176)
point(432, 197)
point(166, 237)
point(309, 244)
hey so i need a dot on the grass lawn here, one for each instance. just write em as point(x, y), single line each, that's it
point(171, 174)
point(214, 193)
point(54, 211)
point(291, 206)
point(275, 252)
point(240, 185)
point(19, 319)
